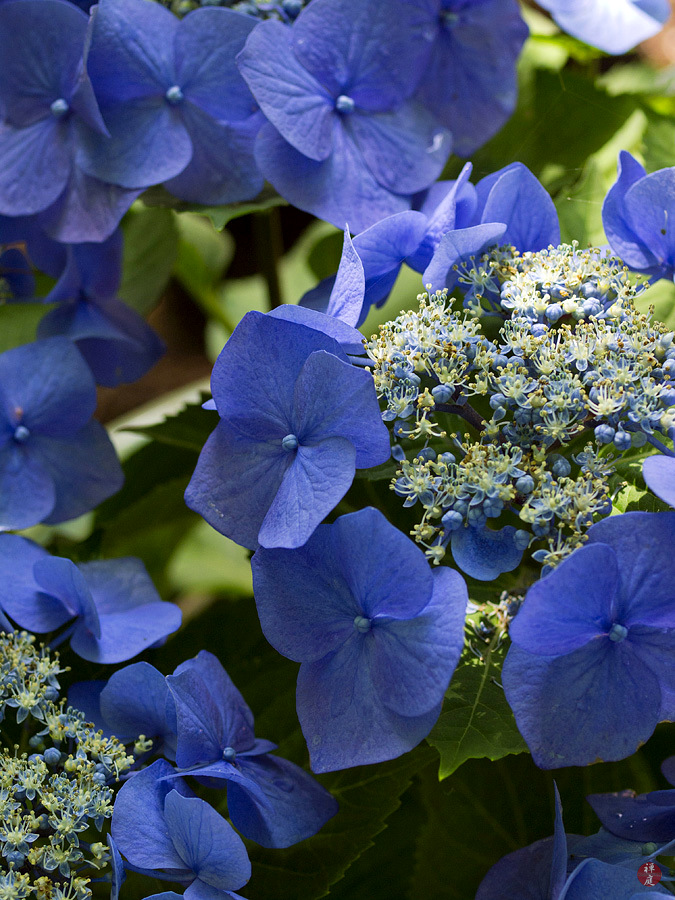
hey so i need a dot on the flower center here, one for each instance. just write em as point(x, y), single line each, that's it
point(363, 624)
point(59, 108)
point(618, 633)
point(229, 754)
point(21, 434)
point(344, 104)
point(290, 442)
point(174, 95)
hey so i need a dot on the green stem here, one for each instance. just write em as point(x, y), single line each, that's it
point(269, 249)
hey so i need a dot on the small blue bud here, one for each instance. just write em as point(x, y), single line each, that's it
point(618, 633)
point(452, 520)
point(427, 453)
point(447, 458)
point(499, 360)
point(442, 393)
point(59, 108)
point(622, 440)
point(290, 442)
point(344, 104)
point(539, 329)
point(14, 856)
point(525, 485)
point(229, 754)
point(604, 434)
point(553, 312)
point(460, 506)
point(362, 624)
point(561, 467)
point(52, 756)
point(476, 517)
point(638, 439)
point(21, 434)
point(497, 400)
point(174, 95)
point(521, 539)
point(398, 453)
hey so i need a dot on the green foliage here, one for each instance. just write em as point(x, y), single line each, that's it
point(150, 247)
point(19, 323)
point(476, 721)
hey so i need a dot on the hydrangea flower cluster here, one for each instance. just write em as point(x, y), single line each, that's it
point(574, 363)
point(56, 799)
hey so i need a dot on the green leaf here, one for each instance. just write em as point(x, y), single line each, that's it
point(203, 254)
point(188, 429)
point(476, 721)
point(324, 257)
point(150, 246)
point(19, 322)
point(221, 215)
point(632, 494)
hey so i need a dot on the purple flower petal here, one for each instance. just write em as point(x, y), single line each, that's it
point(346, 297)
point(349, 339)
point(340, 189)
point(659, 474)
point(616, 218)
point(134, 701)
point(571, 606)
point(298, 106)
point(62, 579)
point(20, 595)
point(27, 491)
point(314, 483)
point(598, 702)
point(141, 799)
point(206, 842)
point(614, 26)
point(645, 817)
point(484, 554)
point(288, 806)
point(519, 200)
point(36, 164)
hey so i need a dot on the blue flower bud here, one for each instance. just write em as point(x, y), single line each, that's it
point(452, 520)
point(52, 756)
point(497, 400)
point(560, 466)
point(447, 458)
point(553, 312)
point(622, 440)
point(525, 485)
point(427, 453)
point(604, 434)
point(442, 393)
point(521, 539)
point(398, 453)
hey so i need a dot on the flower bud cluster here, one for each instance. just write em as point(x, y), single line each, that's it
point(54, 800)
point(572, 375)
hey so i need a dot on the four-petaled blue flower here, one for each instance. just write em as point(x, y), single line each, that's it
point(378, 635)
point(269, 799)
point(56, 462)
point(176, 107)
point(343, 139)
point(297, 420)
point(590, 671)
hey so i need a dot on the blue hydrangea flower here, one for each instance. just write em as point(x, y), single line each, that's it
point(512, 208)
point(590, 671)
point(470, 80)
point(540, 871)
point(484, 553)
point(343, 140)
point(117, 610)
point(296, 421)
point(47, 111)
point(165, 831)
point(55, 461)
point(269, 799)
point(638, 217)
point(378, 635)
point(614, 26)
point(173, 101)
point(115, 341)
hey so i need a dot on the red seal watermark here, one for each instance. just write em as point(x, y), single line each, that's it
point(649, 873)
